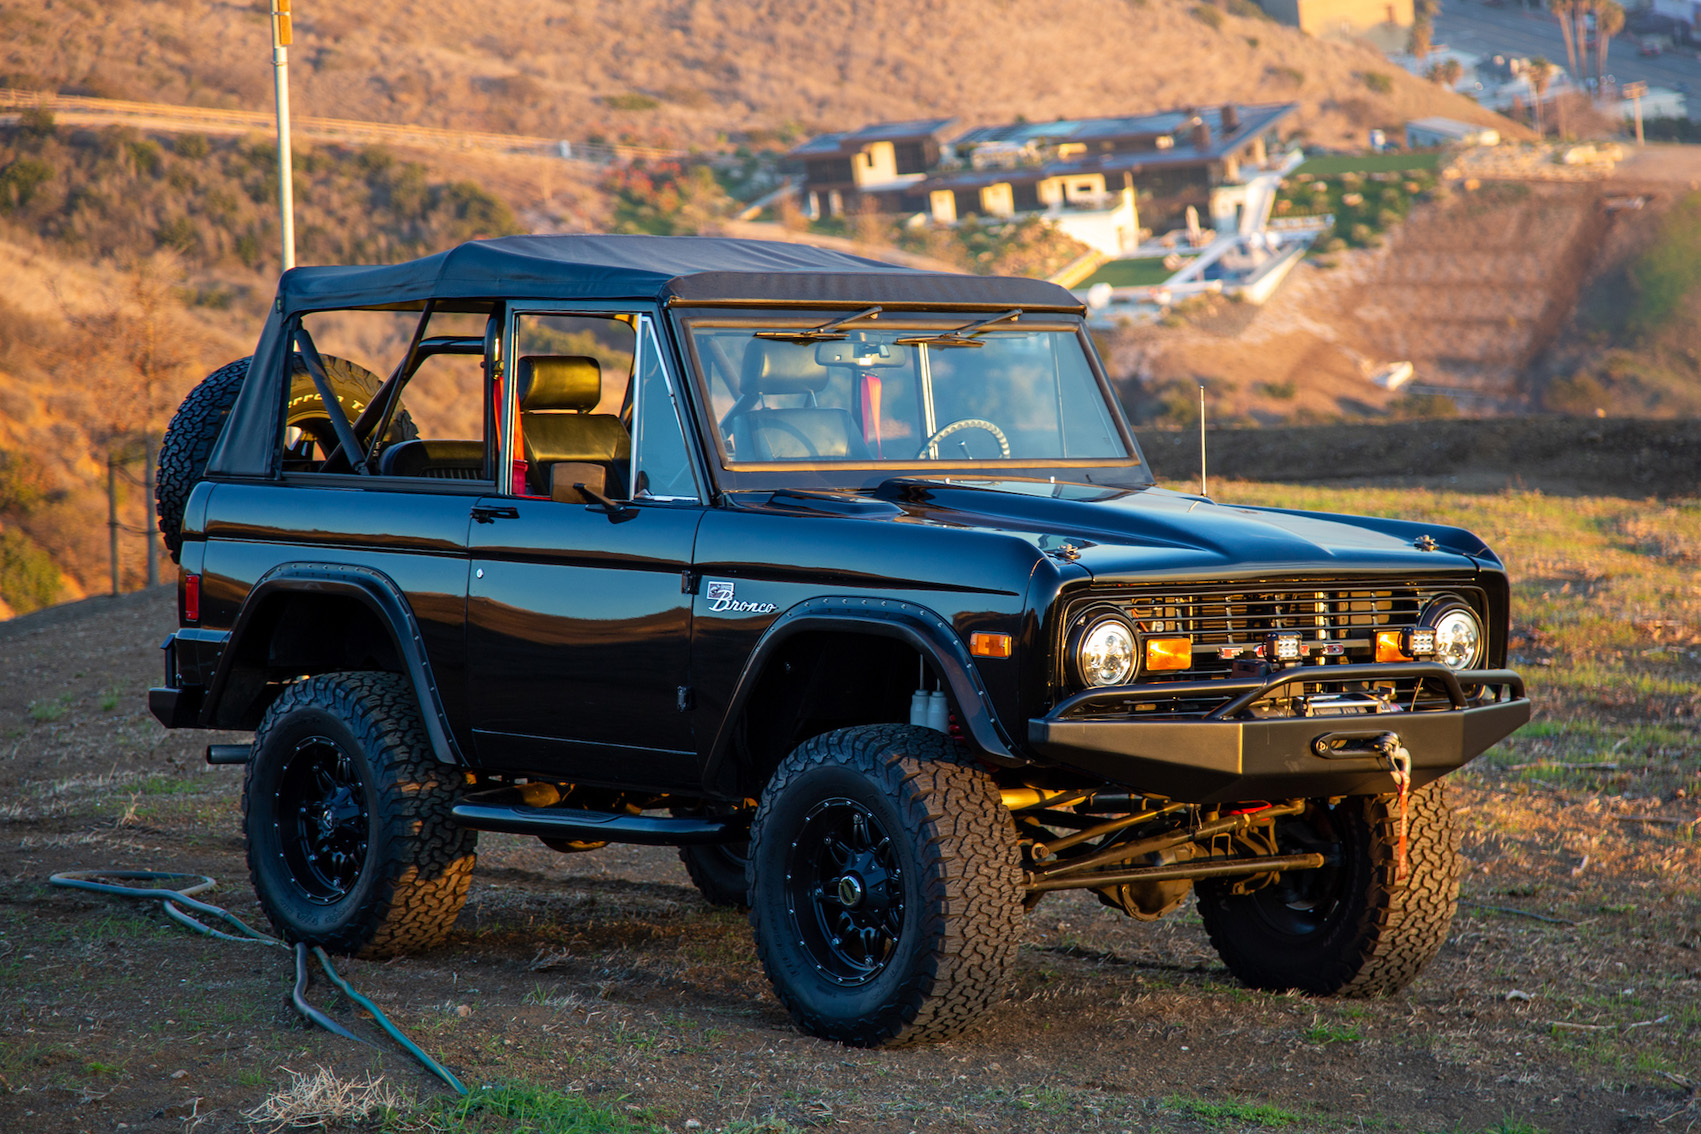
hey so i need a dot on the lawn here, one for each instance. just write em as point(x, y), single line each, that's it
point(1130, 273)
point(1331, 165)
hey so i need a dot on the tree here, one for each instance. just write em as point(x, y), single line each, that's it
point(1422, 38)
point(1541, 74)
point(1609, 21)
point(1448, 72)
point(1566, 11)
point(135, 374)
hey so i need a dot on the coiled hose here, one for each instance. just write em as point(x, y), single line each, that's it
point(179, 901)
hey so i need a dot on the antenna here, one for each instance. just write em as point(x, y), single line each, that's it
point(1204, 485)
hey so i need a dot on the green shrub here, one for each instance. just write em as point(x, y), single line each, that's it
point(632, 100)
point(1207, 15)
point(20, 179)
point(1378, 82)
point(29, 579)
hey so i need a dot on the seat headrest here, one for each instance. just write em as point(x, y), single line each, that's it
point(558, 382)
point(772, 366)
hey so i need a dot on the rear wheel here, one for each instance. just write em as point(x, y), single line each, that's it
point(885, 886)
point(351, 844)
point(1348, 928)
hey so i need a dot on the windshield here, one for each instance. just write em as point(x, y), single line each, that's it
point(947, 391)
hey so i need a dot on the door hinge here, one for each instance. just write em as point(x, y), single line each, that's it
point(688, 582)
point(687, 699)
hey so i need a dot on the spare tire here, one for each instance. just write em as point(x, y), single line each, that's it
point(195, 426)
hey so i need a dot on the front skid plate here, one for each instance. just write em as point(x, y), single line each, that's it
point(1228, 761)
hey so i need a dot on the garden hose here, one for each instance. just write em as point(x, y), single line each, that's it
point(177, 903)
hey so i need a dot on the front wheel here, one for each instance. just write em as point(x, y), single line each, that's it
point(351, 844)
point(885, 888)
point(1350, 928)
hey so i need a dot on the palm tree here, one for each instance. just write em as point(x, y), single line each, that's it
point(1609, 21)
point(1541, 73)
point(1564, 10)
point(1422, 37)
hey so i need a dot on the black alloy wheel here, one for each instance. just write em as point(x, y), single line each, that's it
point(885, 886)
point(322, 820)
point(844, 891)
point(347, 812)
point(1352, 927)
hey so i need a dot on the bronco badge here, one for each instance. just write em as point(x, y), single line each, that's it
point(720, 596)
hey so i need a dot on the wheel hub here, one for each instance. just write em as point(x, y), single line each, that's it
point(844, 892)
point(321, 820)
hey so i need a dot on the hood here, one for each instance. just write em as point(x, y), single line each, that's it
point(1117, 533)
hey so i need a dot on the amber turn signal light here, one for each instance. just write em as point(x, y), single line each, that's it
point(1169, 653)
point(985, 645)
point(1388, 646)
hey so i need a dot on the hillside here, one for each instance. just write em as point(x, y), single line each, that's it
point(688, 72)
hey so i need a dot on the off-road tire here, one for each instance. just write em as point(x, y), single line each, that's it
point(188, 443)
point(194, 428)
point(720, 873)
point(960, 879)
point(418, 860)
point(1380, 932)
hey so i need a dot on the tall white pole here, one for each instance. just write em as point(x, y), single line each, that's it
point(282, 35)
point(1204, 485)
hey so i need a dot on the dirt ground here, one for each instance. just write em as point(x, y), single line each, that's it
point(1567, 999)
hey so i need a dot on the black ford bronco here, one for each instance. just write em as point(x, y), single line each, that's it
point(847, 580)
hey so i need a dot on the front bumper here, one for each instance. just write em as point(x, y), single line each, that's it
point(1217, 760)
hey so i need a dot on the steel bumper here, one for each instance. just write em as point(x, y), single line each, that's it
point(1216, 760)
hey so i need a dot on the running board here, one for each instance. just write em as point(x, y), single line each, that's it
point(489, 811)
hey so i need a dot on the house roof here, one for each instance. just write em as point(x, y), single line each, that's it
point(916, 129)
point(1254, 120)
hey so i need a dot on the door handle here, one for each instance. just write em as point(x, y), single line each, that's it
point(488, 513)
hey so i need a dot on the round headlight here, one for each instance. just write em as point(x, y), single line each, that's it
point(1106, 655)
point(1458, 637)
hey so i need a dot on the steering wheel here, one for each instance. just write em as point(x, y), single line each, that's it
point(967, 423)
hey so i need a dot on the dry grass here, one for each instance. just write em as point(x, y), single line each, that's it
point(322, 1098)
point(691, 74)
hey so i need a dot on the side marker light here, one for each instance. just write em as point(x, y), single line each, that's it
point(191, 598)
point(984, 645)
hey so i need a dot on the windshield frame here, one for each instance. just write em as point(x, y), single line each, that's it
point(734, 476)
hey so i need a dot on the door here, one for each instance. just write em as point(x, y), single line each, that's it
point(579, 613)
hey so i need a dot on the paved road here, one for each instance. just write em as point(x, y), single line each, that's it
point(1468, 25)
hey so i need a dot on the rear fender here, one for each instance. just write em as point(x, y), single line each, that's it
point(237, 694)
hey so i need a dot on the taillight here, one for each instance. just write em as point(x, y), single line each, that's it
point(191, 598)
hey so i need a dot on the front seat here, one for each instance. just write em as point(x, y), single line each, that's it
point(565, 443)
point(810, 432)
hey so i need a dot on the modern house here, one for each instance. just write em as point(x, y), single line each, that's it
point(1099, 179)
point(839, 168)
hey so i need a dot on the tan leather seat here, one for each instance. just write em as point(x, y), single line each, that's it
point(557, 393)
point(799, 433)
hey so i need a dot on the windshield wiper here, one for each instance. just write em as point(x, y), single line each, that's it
point(825, 333)
point(962, 336)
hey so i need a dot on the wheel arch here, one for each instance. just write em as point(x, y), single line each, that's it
point(374, 629)
point(807, 629)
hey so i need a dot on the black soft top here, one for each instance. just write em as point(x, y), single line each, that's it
point(666, 269)
point(661, 269)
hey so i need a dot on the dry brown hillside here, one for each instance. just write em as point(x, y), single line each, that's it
point(694, 72)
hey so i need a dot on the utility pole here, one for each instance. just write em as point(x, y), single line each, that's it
point(112, 516)
point(148, 532)
point(283, 33)
point(1635, 92)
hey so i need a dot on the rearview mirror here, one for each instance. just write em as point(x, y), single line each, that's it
point(867, 356)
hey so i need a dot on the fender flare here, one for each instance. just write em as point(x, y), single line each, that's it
point(379, 594)
point(917, 626)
